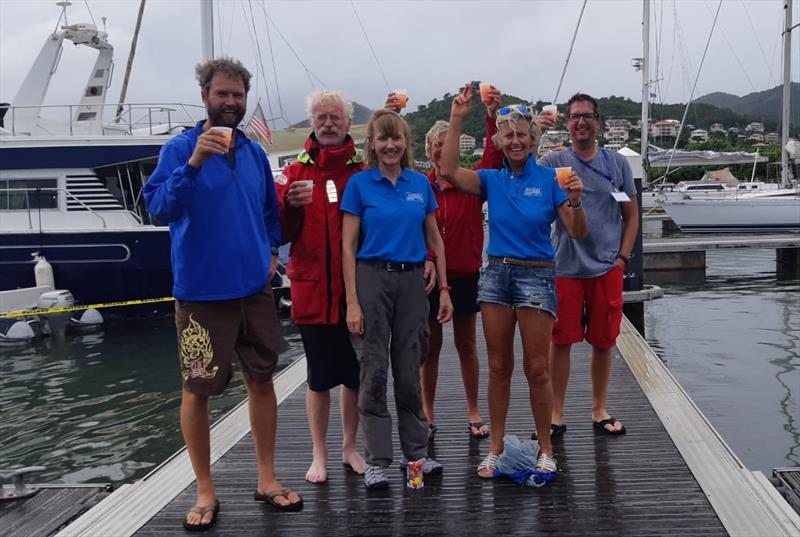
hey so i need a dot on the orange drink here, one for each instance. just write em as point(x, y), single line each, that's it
point(485, 88)
point(563, 175)
point(227, 132)
point(402, 97)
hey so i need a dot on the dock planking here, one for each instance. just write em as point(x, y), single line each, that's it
point(637, 484)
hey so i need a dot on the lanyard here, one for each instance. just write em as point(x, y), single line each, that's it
point(595, 170)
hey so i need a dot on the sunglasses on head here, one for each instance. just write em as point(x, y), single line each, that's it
point(519, 108)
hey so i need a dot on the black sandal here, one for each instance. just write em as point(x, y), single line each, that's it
point(202, 511)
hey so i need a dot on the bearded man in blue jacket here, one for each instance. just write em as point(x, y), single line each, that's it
point(214, 188)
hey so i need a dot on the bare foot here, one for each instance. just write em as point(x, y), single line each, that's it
point(317, 472)
point(354, 461)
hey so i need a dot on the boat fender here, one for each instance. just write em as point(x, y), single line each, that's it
point(20, 331)
point(43, 272)
point(90, 317)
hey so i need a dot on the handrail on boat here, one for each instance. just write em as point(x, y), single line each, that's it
point(114, 124)
point(58, 190)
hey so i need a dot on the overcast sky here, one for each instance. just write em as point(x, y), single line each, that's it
point(429, 48)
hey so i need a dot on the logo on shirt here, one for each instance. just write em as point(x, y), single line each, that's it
point(532, 191)
point(415, 196)
point(281, 179)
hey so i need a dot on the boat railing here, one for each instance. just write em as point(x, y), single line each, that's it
point(128, 118)
point(69, 195)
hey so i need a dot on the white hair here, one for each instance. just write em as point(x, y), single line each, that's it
point(329, 96)
point(439, 128)
point(512, 118)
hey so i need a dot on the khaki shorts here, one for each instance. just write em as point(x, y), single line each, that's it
point(210, 332)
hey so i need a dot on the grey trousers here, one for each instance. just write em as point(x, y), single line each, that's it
point(395, 310)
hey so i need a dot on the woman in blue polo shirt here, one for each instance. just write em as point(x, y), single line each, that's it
point(517, 285)
point(390, 208)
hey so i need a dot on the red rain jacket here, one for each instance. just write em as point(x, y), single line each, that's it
point(315, 231)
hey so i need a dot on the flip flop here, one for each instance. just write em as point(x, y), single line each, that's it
point(478, 425)
point(556, 430)
point(432, 430)
point(270, 496)
point(202, 511)
point(600, 426)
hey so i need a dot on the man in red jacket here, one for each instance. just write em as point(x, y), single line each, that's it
point(309, 191)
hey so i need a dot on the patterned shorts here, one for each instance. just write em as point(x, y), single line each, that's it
point(210, 332)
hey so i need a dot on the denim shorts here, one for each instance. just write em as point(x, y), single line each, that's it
point(518, 287)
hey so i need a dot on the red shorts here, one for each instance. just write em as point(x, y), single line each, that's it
point(589, 308)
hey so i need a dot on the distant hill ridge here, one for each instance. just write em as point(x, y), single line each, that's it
point(764, 105)
point(717, 107)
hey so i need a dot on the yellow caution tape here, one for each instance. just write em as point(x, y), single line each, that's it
point(25, 313)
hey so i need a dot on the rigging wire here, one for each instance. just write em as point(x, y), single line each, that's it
point(274, 68)
point(230, 29)
point(736, 56)
point(569, 54)
point(218, 27)
point(659, 22)
point(260, 58)
point(90, 12)
point(694, 87)
point(760, 48)
point(389, 88)
point(309, 72)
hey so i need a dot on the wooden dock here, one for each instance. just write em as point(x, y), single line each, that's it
point(670, 475)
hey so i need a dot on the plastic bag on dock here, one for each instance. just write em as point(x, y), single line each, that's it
point(518, 462)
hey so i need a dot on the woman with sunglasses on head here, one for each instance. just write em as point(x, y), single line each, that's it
point(517, 284)
point(388, 226)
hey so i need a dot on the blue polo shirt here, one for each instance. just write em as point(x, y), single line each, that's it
point(521, 209)
point(392, 216)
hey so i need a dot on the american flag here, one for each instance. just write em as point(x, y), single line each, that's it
point(258, 126)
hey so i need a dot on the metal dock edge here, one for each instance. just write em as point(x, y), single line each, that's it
point(131, 506)
point(745, 502)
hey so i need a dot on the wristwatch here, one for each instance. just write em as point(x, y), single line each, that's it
point(577, 205)
point(274, 250)
point(624, 258)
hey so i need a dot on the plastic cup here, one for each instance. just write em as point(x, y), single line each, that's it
point(485, 88)
point(309, 183)
point(563, 175)
point(551, 109)
point(402, 97)
point(227, 132)
point(414, 475)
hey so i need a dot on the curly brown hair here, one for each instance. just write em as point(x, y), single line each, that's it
point(229, 67)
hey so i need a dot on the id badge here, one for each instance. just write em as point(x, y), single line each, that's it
point(620, 197)
point(330, 189)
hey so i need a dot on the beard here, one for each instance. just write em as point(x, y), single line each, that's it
point(219, 118)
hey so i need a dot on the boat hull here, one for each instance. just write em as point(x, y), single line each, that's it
point(97, 267)
point(737, 215)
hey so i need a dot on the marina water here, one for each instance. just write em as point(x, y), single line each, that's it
point(103, 406)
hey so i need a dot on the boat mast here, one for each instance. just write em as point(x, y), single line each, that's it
point(130, 62)
point(645, 88)
point(207, 29)
point(787, 83)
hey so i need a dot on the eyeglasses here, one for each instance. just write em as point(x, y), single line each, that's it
point(519, 108)
point(588, 116)
point(322, 118)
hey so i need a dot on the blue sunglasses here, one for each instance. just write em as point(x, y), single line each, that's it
point(519, 108)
